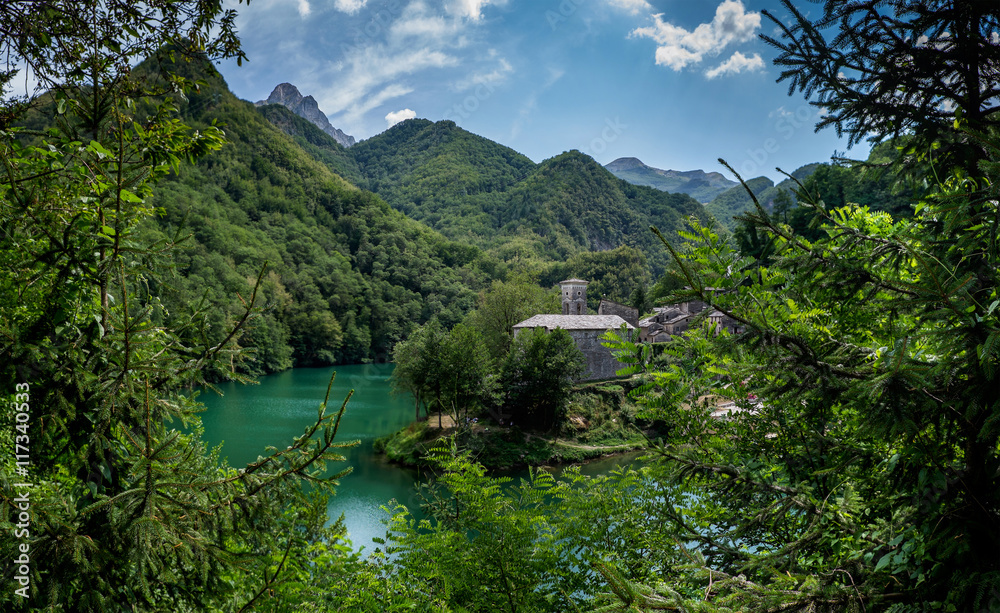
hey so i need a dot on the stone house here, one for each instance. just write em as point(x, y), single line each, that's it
point(673, 319)
point(585, 329)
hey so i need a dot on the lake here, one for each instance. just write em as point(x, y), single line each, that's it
point(249, 418)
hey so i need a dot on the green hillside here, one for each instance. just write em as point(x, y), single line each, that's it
point(472, 189)
point(736, 201)
point(347, 276)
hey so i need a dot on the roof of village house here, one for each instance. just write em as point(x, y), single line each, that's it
point(674, 318)
point(575, 281)
point(574, 322)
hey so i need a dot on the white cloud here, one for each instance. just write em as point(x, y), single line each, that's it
point(417, 21)
point(370, 68)
point(554, 75)
point(498, 75)
point(678, 48)
point(397, 116)
point(348, 6)
point(401, 46)
point(304, 8)
point(633, 6)
point(736, 64)
point(471, 9)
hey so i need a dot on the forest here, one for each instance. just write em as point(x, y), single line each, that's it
point(159, 235)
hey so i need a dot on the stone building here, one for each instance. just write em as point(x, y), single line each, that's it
point(610, 307)
point(673, 319)
point(574, 296)
point(585, 329)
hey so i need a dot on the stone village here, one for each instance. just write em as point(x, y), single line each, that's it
point(586, 329)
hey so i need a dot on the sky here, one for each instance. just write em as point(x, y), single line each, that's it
point(675, 83)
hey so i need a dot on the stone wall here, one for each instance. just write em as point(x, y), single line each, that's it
point(610, 307)
point(600, 363)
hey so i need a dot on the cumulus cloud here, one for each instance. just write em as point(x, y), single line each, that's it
point(737, 64)
point(348, 6)
point(679, 48)
point(304, 8)
point(633, 6)
point(397, 116)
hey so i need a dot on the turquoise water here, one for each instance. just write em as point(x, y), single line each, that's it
point(248, 418)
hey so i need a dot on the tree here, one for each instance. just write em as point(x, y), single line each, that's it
point(418, 366)
point(864, 464)
point(129, 509)
point(449, 371)
point(469, 373)
point(538, 374)
point(901, 67)
point(491, 544)
point(507, 303)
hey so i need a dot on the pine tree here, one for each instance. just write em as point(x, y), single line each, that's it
point(129, 509)
point(904, 67)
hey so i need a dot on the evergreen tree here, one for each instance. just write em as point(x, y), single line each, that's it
point(905, 67)
point(129, 510)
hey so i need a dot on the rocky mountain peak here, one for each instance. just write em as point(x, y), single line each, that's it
point(288, 96)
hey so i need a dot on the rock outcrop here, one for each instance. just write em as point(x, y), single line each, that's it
point(288, 96)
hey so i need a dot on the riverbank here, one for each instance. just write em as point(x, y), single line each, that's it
point(600, 421)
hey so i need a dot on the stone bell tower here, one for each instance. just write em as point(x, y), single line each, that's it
point(574, 296)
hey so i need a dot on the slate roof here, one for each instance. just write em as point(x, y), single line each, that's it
point(576, 281)
point(574, 322)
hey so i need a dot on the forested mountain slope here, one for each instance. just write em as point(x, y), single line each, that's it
point(736, 201)
point(475, 190)
point(346, 277)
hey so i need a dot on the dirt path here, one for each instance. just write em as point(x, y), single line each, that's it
point(447, 421)
point(564, 443)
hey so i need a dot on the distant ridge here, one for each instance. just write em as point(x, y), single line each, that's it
point(700, 185)
point(288, 96)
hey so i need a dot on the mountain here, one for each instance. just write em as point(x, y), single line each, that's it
point(475, 190)
point(736, 201)
point(345, 276)
point(288, 96)
point(700, 185)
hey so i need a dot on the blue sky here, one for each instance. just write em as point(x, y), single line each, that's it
point(676, 83)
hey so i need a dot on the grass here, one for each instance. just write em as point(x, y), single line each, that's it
point(600, 420)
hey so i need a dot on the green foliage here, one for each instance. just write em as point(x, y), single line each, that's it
point(349, 277)
point(507, 303)
point(450, 372)
point(128, 508)
point(494, 545)
point(613, 274)
point(314, 141)
point(729, 205)
point(537, 375)
point(863, 466)
point(886, 71)
point(734, 200)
